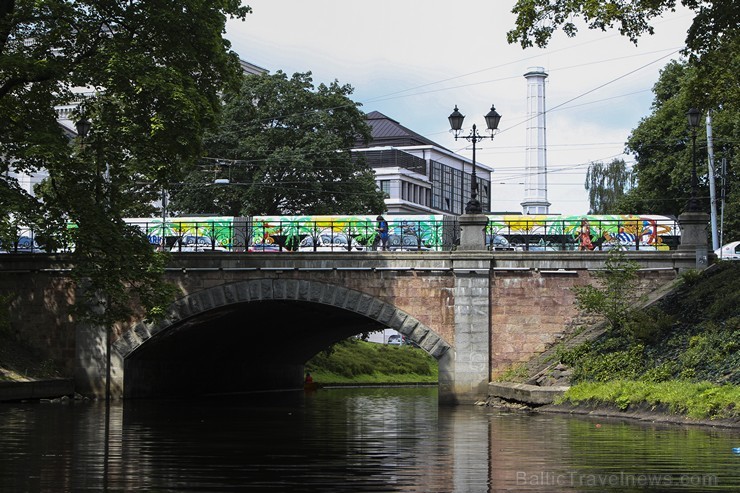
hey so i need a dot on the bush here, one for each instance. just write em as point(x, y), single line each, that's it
point(352, 359)
point(648, 325)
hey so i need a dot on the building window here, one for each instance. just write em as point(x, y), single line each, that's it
point(385, 187)
point(451, 189)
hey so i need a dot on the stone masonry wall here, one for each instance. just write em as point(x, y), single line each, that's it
point(427, 297)
point(530, 312)
point(38, 310)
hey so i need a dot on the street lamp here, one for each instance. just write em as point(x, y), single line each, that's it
point(456, 120)
point(83, 127)
point(693, 204)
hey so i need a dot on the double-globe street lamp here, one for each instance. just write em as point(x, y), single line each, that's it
point(456, 120)
point(693, 204)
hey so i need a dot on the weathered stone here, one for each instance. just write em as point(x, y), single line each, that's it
point(529, 394)
point(527, 310)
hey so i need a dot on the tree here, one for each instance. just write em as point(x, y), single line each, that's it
point(615, 296)
point(537, 20)
point(707, 79)
point(284, 145)
point(151, 73)
point(712, 41)
point(606, 184)
point(662, 147)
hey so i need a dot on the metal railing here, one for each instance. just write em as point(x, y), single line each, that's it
point(527, 234)
point(435, 233)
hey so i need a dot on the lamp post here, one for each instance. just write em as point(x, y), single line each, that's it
point(693, 204)
point(83, 127)
point(693, 221)
point(456, 120)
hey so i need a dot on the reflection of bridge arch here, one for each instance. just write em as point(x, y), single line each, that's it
point(134, 368)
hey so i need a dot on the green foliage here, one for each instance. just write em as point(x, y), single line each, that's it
point(287, 144)
point(648, 325)
point(706, 79)
point(537, 20)
point(606, 184)
point(514, 373)
point(701, 400)
point(663, 148)
point(353, 359)
point(153, 92)
point(616, 295)
point(691, 277)
point(688, 339)
point(607, 365)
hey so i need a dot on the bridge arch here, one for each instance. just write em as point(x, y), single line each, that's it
point(133, 374)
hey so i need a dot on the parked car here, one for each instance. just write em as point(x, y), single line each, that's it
point(25, 244)
point(395, 339)
point(498, 242)
point(408, 242)
point(730, 251)
point(188, 243)
point(264, 247)
point(328, 242)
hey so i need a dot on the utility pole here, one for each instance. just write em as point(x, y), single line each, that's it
point(712, 188)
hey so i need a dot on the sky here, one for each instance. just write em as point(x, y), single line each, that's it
point(414, 61)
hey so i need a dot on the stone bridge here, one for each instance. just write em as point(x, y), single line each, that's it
point(249, 321)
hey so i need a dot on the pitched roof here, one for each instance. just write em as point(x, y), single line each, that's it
point(388, 132)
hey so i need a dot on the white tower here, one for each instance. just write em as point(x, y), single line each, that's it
point(535, 179)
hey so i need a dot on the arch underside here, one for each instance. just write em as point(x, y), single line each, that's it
point(253, 335)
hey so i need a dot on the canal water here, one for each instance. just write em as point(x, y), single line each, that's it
point(348, 440)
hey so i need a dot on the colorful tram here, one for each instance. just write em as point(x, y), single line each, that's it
point(408, 232)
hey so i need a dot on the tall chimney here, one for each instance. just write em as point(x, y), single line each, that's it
point(535, 179)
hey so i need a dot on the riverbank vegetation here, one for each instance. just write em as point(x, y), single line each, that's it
point(356, 361)
point(682, 355)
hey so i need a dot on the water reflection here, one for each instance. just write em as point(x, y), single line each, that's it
point(349, 440)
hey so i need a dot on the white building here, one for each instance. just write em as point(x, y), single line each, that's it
point(418, 175)
point(65, 119)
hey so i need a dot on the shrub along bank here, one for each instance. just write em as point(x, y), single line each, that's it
point(356, 361)
point(680, 356)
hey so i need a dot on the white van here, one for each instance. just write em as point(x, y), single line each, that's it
point(730, 251)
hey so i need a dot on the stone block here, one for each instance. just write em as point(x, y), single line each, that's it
point(266, 289)
point(230, 295)
point(364, 303)
point(218, 296)
point(241, 289)
point(529, 394)
point(255, 291)
point(353, 298)
point(392, 317)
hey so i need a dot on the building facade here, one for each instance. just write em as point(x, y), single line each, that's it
point(418, 175)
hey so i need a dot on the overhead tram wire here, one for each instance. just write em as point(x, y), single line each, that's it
point(388, 96)
point(555, 108)
point(587, 92)
point(382, 98)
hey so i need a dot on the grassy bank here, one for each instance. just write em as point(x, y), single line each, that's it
point(700, 400)
point(360, 362)
point(681, 356)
